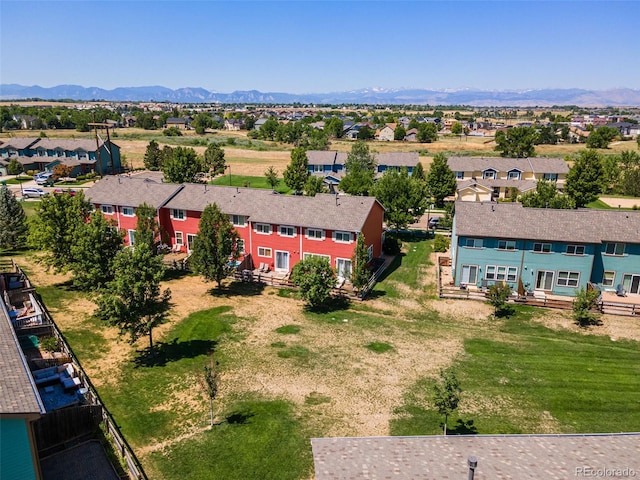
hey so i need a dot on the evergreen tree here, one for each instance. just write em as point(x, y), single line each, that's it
point(216, 246)
point(584, 180)
point(147, 228)
point(360, 274)
point(94, 250)
point(134, 302)
point(14, 228)
point(153, 156)
point(360, 167)
point(271, 174)
point(418, 172)
point(214, 161)
point(297, 172)
point(441, 181)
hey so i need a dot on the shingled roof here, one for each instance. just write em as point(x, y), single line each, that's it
point(131, 191)
point(18, 393)
point(322, 211)
point(512, 220)
point(19, 142)
point(68, 144)
point(391, 159)
point(500, 164)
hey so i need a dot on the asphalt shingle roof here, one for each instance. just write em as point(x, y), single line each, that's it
point(512, 220)
point(19, 142)
point(18, 395)
point(130, 191)
point(500, 164)
point(68, 144)
point(391, 159)
point(322, 211)
point(522, 457)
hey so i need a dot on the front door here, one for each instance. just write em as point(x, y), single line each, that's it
point(544, 280)
point(282, 261)
point(631, 283)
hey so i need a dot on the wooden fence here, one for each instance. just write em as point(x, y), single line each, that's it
point(65, 425)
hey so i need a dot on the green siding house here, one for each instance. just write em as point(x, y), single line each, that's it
point(537, 249)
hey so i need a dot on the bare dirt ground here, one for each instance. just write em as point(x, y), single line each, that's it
point(621, 202)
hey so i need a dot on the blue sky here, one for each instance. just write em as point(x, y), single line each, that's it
point(326, 46)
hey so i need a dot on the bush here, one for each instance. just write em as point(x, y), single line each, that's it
point(49, 344)
point(586, 301)
point(391, 246)
point(441, 243)
point(172, 132)
point(231, 141)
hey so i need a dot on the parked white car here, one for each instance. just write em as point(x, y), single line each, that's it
point(43, 178)
point(33, 192)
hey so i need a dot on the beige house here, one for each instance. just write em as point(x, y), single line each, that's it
point(483, 179)
point(385, 134)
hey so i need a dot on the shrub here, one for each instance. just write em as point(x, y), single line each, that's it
point(391, 246)
point(231, 141)
point(583, 306)
point(172, 132)
point(441, 243)
point(49, 344)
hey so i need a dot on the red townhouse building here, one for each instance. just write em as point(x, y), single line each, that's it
point(276, 230)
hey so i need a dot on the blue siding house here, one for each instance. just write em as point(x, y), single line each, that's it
point(537, 249)
point(83, 156)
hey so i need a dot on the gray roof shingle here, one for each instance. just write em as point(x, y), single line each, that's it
point(500, 164)
point(552, 457)
point(18, 394)
point(19, 142)
point(131, 191)
point(391, 159)
point(512, 220)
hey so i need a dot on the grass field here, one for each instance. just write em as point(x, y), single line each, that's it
point(250, 181)
point(287, 374)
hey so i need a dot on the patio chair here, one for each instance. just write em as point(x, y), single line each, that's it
point(620, 291)
point(261, 267)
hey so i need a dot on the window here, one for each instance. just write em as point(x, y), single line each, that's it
point(263, 228)
point(568, 279)
point(551, 177)
point(460, 175)
point(501, 273)
point(473, 243)
point(285, 231)
point(264, 252)
point(614, 249)
point(575, 249)
point(179, 238)
point(343, 268)
point(315, 234)
point(191, 238)
point(608, 278)
point(132, 236)
point(238, 220)
point(177, 214)
point(370, 253)
point(240, 246)
point(489, 174)
point(306, 256)
point(506, 245)
point(318, 168)
point(513, 175)
point(106, 209)
point(542, 247)
point(128, 211)
point(343, 237)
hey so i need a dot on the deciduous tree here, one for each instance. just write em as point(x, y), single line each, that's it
point(94, 249)
point(446, 395)
point(182, 166)
point(427, 132)
point(334, 127)
point(315, 278)
point(584, 180)
point(297, 172)
point(399, 133)
point(601, 137)
point(134, 302)
point(441, 181)
point(215, 249)
point(13, 221)
point(517, 142)
point(546, 195)
point(209, 379)
point(456, 128)
point(314, 186)
point(360, 167)
point(497, 296)
point(583, 307)
point(14, 167)
point(55, 227)
point(404, 198)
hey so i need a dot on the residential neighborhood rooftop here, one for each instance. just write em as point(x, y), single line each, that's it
point(131, 191)
point(502, 164)
point(522, 457)
point(512, 220)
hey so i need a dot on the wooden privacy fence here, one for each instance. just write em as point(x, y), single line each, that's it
point(61, 426)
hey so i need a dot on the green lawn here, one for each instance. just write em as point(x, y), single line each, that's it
point(249, 181)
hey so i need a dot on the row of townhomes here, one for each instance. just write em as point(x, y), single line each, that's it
point(83, 156)
point(276, 231)
point(483, 179)
point(545, 250)
point(330, 164)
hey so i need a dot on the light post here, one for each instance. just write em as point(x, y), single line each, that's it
point(473, 463)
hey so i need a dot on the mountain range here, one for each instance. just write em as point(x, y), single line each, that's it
point(413, 96)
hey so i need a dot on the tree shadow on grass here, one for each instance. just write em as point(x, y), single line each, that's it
point(174, 274)
point(462, 428)
point(165, 352)
point(237, 289)
point(393, 266)
point(238, 418)
point(332, 305)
